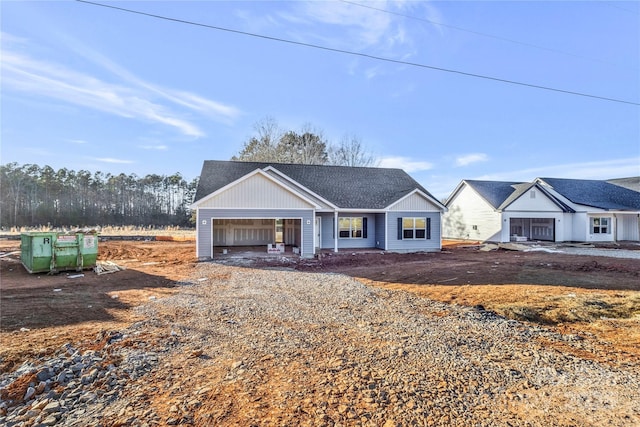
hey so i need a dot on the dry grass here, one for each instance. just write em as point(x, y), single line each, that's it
point(610, 319)
point(110, 230)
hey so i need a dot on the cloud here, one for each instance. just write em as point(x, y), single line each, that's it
point(112, 160)
point(468, 159)
point(129, 97)
point(405, 163)
point(158, 147)
point(605, 169)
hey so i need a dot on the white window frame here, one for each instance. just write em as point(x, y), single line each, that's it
point(353, 228)
point(413, 228)
point(597, 225)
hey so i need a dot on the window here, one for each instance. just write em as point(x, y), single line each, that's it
point(350, 227)
point(600, 225)
point(532, 194)
point(415, 228)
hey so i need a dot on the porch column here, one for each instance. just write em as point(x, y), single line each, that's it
point(335, 231)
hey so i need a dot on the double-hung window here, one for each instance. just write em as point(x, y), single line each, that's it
point(350, 227)
point(600, 225)
point(414, 228)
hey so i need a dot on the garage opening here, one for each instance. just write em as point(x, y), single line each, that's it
point(523, 229)
point(256, 234)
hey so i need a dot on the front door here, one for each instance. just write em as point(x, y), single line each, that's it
point(318, 235)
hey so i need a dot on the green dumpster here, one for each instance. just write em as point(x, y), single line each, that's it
point(54, 252)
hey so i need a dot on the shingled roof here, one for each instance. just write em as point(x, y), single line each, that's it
point(344, 186)
point(597, 194)
point(494, 192)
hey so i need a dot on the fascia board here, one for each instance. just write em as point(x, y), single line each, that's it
point(293, 181)
point(249, 175)
point(455, 192)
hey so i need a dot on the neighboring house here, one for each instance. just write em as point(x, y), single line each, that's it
point(547, 209)
point(632, 183)
point(312, 207)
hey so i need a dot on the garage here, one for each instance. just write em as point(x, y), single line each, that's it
point(234, 232)
point(532, 229)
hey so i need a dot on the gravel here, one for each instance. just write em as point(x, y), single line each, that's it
point(240, 346)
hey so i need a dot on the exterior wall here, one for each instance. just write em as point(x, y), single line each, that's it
point(205, 216)
point(381, 238)
point(558, 218)
point(328, 233)
point(433, 244)
point(467, 210)
point(257, 192)
point(628, 227)
point(415, 202)
point(538, 203)
point(600, 237)
point(316, 200)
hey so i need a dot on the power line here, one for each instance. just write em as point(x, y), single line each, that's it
point(478, 33)
point(363, 55)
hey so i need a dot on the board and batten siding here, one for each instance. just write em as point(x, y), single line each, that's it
point(467, 210)
point(204, 233)
point(413, 245)
point(415, 202)
point(628, 226)
point(257, 191)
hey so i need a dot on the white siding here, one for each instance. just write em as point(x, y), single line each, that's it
point(466, 210)
point(538, 203)
point(628, 226)
point(256, 192)
point(415, 202)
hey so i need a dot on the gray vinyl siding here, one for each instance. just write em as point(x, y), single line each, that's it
point(206, 214)
point(359, 243)
point(327, 230)
point(380, 231)
point(328, 234)
point(418, 245)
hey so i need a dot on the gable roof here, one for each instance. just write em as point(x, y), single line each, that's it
point(494, 192)
point(594, 193)
point(344, 186)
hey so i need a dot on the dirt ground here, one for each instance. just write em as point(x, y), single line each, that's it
point(594, 297)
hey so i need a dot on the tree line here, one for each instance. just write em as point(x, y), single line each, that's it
point(31, 195)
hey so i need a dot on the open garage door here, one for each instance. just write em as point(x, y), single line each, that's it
point(532, 229)
point(256, 232)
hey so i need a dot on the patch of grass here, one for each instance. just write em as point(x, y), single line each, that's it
point(572, 308)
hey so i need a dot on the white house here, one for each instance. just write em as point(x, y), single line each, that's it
point(313, 207)
point(547, 209)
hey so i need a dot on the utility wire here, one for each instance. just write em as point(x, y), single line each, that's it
point(363, 55)
point(478, 33)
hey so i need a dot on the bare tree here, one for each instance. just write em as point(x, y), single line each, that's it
point(264, 146)
point(351, 152)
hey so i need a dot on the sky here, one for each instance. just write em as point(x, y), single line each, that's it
point(425, 85)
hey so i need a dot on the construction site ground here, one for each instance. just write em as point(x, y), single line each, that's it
point(593, 297)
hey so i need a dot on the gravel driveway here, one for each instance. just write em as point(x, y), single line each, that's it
point(613, 253)
point(240, 346)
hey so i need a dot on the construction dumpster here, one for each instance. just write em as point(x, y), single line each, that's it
point(53, 252)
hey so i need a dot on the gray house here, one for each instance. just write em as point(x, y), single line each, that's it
point(548, 209)
point(305, 208)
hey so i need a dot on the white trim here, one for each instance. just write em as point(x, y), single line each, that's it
point(244, 178)
point(443, 208)
point(293, 181)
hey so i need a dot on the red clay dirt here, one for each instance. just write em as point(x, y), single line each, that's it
point(596, 297)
